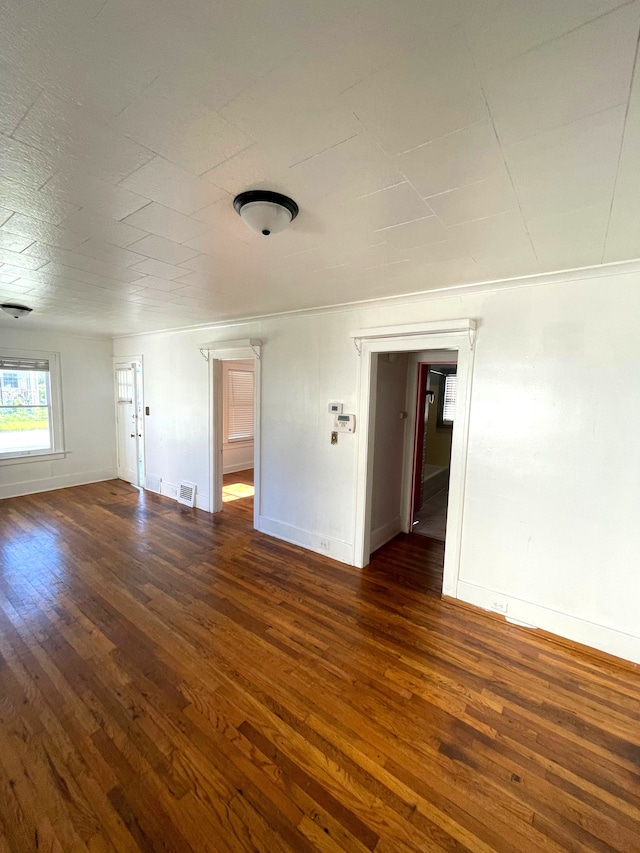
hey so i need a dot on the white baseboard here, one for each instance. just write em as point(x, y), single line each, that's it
point(169, 490)
point(592, 634)
point(231, 469)
point(336, 549)
point(381, 535)
point(50, 484)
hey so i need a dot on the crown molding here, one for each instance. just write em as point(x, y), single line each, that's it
point(489, 286)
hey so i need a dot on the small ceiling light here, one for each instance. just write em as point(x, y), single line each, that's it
point(16, 311)
point(264, 211)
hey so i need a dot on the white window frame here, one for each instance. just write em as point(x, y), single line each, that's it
point(56, 421)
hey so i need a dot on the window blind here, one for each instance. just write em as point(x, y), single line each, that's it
point(18, 363)
point(240, 405)
point(449, 404)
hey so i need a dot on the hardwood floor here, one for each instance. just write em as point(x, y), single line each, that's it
point(175, 681)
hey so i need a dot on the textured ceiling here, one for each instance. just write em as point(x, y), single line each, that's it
point(428, 143)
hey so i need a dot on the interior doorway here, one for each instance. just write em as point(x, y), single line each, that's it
point(129, 391)
point(234, 426)
point(411, 455)
point(433, 433)
point(238, 435)
point(454, 337)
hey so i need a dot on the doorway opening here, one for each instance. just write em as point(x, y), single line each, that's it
point(234, 427)
point(433, 433)
point(238, 435)
point(129, 391)
point(455, 339)
point(411, 460)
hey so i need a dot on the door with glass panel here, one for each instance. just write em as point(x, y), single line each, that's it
point(128, 382)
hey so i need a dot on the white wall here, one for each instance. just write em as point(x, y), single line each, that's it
point(552, 502)
point(388, 449)
point(88, 409)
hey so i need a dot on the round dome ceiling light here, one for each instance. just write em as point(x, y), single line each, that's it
point(16, 311)
point(264, 211)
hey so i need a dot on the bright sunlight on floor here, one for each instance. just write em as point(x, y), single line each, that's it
point(235, 491)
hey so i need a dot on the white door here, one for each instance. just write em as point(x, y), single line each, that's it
point(129, 420)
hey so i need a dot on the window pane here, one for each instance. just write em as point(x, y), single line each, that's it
point(124, 381)
point(24, 388)
point(24, 429)
point(240, 405)
point(449, 404)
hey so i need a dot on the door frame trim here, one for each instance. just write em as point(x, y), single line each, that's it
point(458, 335)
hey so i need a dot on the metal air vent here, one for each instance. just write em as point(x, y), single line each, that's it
point(187, 493)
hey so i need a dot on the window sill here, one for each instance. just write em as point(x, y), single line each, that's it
point(33, 457)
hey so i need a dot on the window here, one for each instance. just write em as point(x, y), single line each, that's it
point(239, 405)
point(447, 400)
point(30, 414)
point(124, 383)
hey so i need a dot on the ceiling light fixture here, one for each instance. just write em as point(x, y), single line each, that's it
point(16, 311)
point(264, 211)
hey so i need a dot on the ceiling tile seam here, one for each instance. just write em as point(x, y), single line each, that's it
point(431, 212)
point(556, 37)
point(565, 124)
point(225, 160)
point(387, 264)
point(463, 187)
point(504, 158)
point(152, 156)
point(330, 147)
point(193, 175)
point(70, 263)
point(431, 141)
point(26, 113)
point(415, 50)
point(31, 215)
point(140, 93)
point(621, 149)
point(98, 12)
point(384, 189)
point(276, 67)
point(26, 248)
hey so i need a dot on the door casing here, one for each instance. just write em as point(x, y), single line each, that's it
point(455, 335)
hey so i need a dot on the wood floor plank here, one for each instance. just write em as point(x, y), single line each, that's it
point(172, 680)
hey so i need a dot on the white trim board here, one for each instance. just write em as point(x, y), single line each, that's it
point(51, 484)
point(455, 290)
point(235, 350)
point(335, 548)
point(413, 338)
point(564, 625)
point(383, 534)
